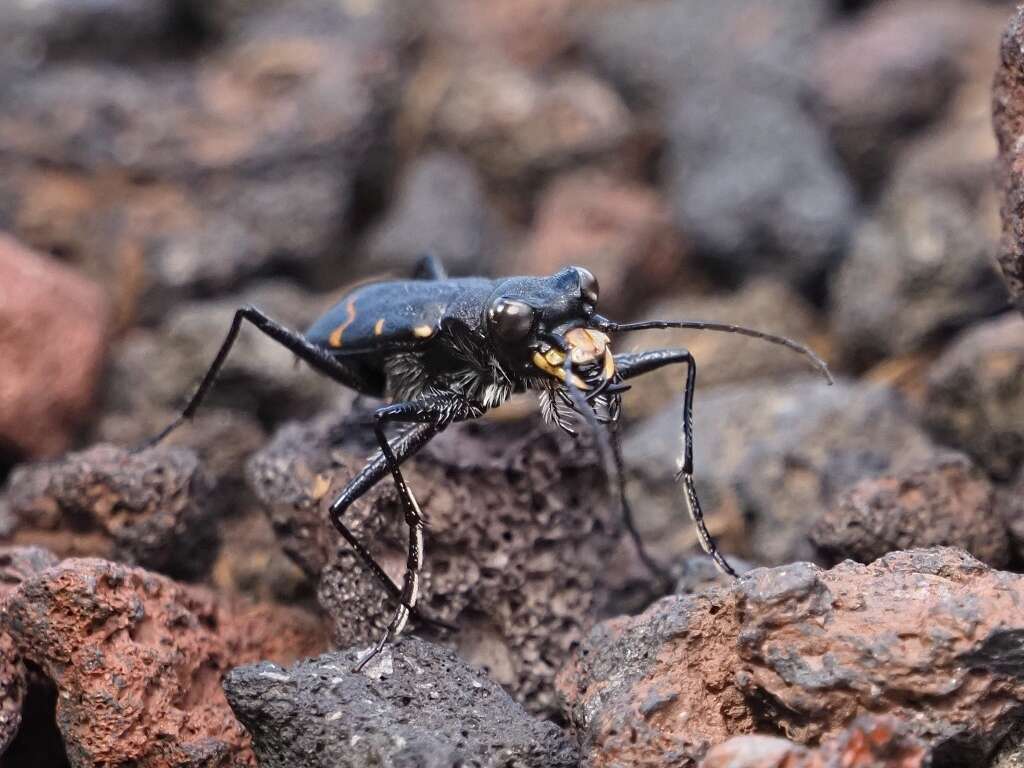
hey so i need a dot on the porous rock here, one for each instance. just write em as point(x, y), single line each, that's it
point(928, 636)
point(16, 565)
point(440, 209)
point(151, 508)
point(519, 529)
point(870, 742)
point(619, 229)
point(764, 302)
point(947, 501)
point(922, 265)
point(162, 648)
point(751, 176)
point(1008, 109)
point(767, 459)
point(975, 395)
point(46, 309)
point(191, 177)
point(418, 704)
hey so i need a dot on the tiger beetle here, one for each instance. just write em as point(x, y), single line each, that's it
point(440, 350)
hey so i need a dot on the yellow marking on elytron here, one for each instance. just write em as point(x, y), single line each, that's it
point(378, 329)
point(335, 338)
point(422, 331)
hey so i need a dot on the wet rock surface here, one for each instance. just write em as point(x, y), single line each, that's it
point(767, 458)
point(519, 529)
point(417, 704)
point(919, 626)
point(163, 648)
point(46, 309)
point(945, 502)
point(152, 508)
point(870, 742)
point(975, 395)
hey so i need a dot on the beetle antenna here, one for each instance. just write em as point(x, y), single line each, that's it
point(699, 325)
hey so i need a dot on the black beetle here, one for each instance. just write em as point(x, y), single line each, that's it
point(442, 349)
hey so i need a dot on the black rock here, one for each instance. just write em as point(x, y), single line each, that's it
point(417, 704)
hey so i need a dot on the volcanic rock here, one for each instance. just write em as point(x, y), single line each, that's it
point(1008, 106)
point(150, 508)
point(975, 395)
point(46, 309)
point(138, 661)
point(520, 528)
point(944, 502)
point(417, 704)
point(768, 458)
point(806, 651)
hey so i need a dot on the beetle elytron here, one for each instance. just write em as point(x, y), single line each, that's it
point(442, 350)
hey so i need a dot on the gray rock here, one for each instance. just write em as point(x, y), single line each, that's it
point(441, 208)
point(768, 459)
point(417, 705)
point(975, 395)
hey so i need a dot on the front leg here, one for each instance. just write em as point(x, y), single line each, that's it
point(436, 413)
point(634, 364)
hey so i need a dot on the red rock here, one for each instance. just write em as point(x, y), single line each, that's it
point(53, 328)
point(946, 501)
point(621, 230)
point(808, 651)
point(1008, 114)
point(138, 661)
point(871, 742)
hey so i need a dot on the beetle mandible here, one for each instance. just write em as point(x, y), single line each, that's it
point(440, 350)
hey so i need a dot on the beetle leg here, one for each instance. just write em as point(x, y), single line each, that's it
point(429, 267)
point(405, 446)
point(305, 350)
point(638, 363)
point(436, 412)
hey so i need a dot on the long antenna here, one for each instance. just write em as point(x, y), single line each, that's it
point(700, 325)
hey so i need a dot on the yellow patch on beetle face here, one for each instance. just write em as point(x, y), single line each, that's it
point(559, 373)
point(350, 311)
point(423, 331)
point(378, 327)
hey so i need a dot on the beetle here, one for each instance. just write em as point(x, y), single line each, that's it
point(439, 350)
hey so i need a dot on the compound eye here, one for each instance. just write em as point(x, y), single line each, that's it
point(588, 286)
point(511, 320)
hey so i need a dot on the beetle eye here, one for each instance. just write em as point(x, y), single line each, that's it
point(588, 286)
point(511, 319)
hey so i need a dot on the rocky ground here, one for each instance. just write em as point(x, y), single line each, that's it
point(823, 169)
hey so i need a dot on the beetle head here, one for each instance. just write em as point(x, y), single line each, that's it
point(545, 325)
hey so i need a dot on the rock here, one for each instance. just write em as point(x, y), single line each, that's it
point(519, 128)
point(154, 372)
point(1011, 504)
point(870, 742)
point(150, 508)
point(890, 72)
point(193, 176)
point(807, 651)
point(520, 530)
point(764, 303)
point(1008, 109)
point(16, 565)
point(441, 209)
point(46, 309)
point(768, 457)
point(1011, 751)
point(922, 265)
point(975, 395)
point(419, 704)
point(751, 177)
point(621, 230)
point(944, 502)
point(162, 649)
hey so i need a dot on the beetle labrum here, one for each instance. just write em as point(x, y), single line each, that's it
point(440, 350)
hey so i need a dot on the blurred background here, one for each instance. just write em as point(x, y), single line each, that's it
point(817, 168)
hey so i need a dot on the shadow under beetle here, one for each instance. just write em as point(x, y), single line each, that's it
point(442, 350)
